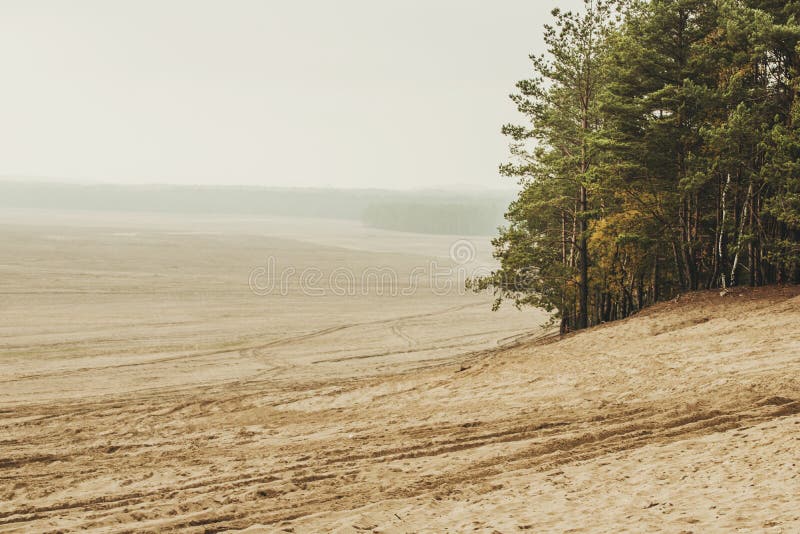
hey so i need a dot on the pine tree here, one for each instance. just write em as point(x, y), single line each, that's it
point(659, 155)
point(555, 159)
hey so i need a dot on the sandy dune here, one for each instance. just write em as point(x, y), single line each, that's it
point(138, 398)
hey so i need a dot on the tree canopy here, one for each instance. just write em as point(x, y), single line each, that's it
point(659, 153)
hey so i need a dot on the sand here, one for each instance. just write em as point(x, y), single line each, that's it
point(144, 387)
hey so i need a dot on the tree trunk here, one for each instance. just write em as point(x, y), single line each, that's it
point(583, 263)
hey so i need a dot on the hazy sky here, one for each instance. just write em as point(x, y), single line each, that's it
point(354, 93)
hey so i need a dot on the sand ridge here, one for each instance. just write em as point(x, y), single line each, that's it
point(697, 430)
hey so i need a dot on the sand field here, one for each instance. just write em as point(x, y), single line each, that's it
point(145, 387)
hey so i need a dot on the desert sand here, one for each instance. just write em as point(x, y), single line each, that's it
point(145, 387)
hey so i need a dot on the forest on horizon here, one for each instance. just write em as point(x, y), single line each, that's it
point(432, 211)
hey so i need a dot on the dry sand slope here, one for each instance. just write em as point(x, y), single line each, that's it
point(684, 419)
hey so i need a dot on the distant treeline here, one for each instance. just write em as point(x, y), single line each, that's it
point(467, 218)
point(659, 153)
point(437, 212)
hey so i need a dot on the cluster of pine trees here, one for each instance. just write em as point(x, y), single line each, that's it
point(660, 153)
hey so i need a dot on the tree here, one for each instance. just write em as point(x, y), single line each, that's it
point(555, 158)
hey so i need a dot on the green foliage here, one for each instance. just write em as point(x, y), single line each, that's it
point(660, 153)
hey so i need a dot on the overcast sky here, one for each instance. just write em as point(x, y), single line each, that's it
point(354, 93)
